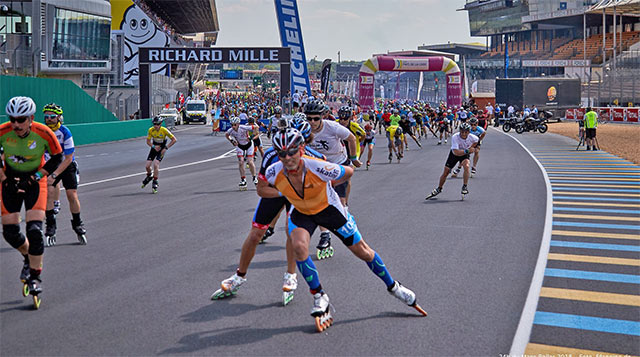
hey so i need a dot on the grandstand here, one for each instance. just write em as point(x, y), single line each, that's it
point(558, 38)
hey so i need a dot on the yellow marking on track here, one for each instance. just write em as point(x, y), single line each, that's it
point(595, 234)
point(603, 186)
point(595, 204)
point(604, 218)
point(591, 173)
point(597, 194)
point(594, 259)
point(593, 178)
point(535, 349)
point(592, 296)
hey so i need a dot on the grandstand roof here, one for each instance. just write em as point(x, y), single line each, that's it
point(621, 6)
point(187, 16)
point(457, 48)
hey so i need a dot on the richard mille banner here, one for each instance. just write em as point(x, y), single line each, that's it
point(291, 36)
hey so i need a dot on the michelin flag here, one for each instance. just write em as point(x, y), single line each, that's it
point(291, 36)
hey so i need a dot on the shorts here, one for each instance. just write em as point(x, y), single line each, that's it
point(257, 142)
point(371, 141)
point(267, 209)
point(155, 155)
point(591, 133)
point(69, 177)
point(443, 128)
point(35, 198)
point(344, 227)
point(245, 150)
point(391, 143)
point(452, 160)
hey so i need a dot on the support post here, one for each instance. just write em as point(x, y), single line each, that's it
point(145, 90)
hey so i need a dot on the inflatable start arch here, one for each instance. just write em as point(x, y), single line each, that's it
point(410, 64)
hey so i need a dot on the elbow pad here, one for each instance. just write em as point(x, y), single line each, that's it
point(52, 164)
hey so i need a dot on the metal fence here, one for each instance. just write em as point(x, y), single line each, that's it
point(614, 86)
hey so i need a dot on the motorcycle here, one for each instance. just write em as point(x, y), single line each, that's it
point(511, 122)
point(531, 124)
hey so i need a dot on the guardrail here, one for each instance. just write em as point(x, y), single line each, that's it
point(621, 115)
point(93, 133)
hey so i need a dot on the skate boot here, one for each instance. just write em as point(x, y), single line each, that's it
point(368, 164)
point(464, 191)
point(405, 295)
point(56, 207)
point(436, 191)
point(24, 273)
point(324, 248)
point(289, 286)
point(419, 145)
point(154, 186)
point(268, 233)
point(390, 157)
point(440, 142)
point(255, 180)
point(321, 311)
point(456, 172)
point(50, 232)
point(78, 227)
point(445, 141)
point(228, 287)
point(242, 185)
point(473, 171)
point(399, 157)
point(33, 288)
point(146, 181)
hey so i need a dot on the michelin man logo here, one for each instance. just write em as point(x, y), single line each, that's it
point(140, 31)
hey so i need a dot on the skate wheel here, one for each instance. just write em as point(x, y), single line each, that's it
point(53, 240)
point(25, 290)
point(319, 254)
point(420, 309)
point(82, 239)
point(330, 252)
point(287, 296)
point(36, 302)
point(319, 324)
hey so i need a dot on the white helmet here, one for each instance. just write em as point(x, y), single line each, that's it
point(234, 120)
point(287, 139)
point(20, 107)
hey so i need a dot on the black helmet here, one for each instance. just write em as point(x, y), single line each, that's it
point(473, 121)
point(157, 120)
point(344, 112)
point(315, 106)
point(399, 131)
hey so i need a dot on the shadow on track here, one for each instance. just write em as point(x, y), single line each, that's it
point(229, 336)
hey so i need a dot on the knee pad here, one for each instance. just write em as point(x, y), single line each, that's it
point(35, 237)
point(11, 233)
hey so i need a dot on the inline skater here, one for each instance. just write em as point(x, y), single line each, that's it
point(264, 218)
point(22, 174)
point(67, 173)
point(255, 135)
point(480, 133)
point(315, 205)
point(443, 127)
point(462, 144)
point(395, 138)
point(345, 116)
point(238, 136)
point(328, 140)
point(369, 142)
point(274, 119)
point(408, 131)
point(157, 141)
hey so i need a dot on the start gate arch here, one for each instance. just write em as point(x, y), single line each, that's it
point(409, 64)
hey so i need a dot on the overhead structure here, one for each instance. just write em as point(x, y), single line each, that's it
point(187, 16)
point(627, 7)
point(409, 64)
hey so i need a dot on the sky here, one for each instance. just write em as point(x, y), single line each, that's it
point(356, 28)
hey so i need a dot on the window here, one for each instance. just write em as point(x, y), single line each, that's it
point(80, 37)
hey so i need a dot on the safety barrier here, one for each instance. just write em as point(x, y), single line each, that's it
point(78, 106)
point(629, 115)
point(94, 133)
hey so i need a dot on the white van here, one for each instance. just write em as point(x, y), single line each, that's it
point(195, 111)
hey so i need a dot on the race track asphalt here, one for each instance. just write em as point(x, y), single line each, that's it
point(142, 284)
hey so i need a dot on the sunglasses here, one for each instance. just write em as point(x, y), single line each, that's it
point(289, 152)
point(18, 120)
point(314, 118)
point(50, 116)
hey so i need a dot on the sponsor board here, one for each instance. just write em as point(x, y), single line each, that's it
point(618, 114)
